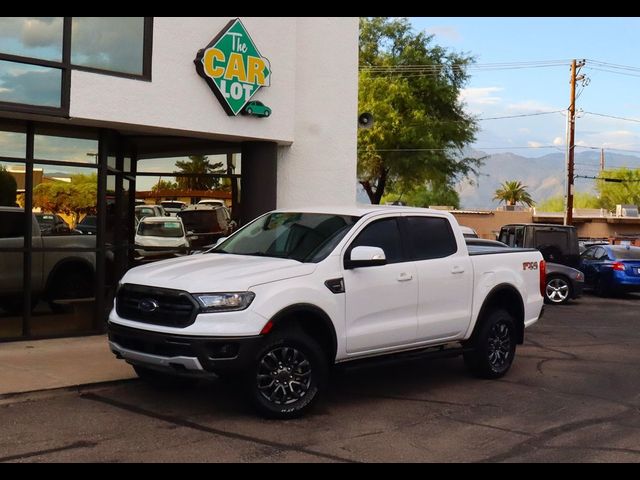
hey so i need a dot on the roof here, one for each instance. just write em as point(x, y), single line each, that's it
point(360, 210)
point(555, 225)
point(159, 219)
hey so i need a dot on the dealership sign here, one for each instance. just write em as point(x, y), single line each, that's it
point(233, 67)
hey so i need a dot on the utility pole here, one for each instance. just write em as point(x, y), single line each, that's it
point(568, 218)
point(602, 159)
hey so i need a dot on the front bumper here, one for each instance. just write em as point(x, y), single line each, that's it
point(183, 354)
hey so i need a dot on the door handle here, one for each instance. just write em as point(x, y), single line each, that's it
point(404, 277)
point(457, 269)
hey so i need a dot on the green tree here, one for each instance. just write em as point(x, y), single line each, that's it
point(512, 192)
point(164, 185)
point(580, 200)
point(198, 164)
point(425, 196)
point(420, 127)
point(627, 191)
point(8, 188)
point(75, 198)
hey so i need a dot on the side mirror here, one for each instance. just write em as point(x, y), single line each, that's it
point(365, 257)
point(220, 240)
point(189, 232)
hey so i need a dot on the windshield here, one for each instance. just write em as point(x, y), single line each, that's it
point(305, 237)
point(166, 229)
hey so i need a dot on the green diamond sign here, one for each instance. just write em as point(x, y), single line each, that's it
point(234, 69)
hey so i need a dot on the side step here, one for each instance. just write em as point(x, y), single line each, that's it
point(441, 351)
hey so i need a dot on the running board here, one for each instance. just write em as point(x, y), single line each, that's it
point(395, 357)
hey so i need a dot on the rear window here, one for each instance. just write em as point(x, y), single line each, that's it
point(172, 204)
point(559, 238)
point(161, 229)
point(431, 237)
point(624, 253)
point(201, 221)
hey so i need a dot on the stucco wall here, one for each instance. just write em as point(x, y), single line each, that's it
point(320, 167)
point(313, 95)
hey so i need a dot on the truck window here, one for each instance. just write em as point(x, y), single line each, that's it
point(431, 237)
point(558, 238)
point(384, 234)
point(519, 237)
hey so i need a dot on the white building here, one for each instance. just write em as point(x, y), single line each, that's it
point(130, 99)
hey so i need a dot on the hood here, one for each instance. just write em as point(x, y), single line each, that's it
point(216, 272)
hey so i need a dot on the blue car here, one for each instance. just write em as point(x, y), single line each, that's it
point(610, 269)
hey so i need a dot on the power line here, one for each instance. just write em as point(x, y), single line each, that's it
point(613, 116)
point(449, 149)
point(614, 65)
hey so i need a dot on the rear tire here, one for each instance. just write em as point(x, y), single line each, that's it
point(287, 375)
point(493, 346)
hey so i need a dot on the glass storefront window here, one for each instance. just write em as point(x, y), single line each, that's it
point(30, 84)
point(13, 144)
point(35, 37)
point(108, 43)
point(66, 149)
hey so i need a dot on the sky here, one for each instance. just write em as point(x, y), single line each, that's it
point(491, 93)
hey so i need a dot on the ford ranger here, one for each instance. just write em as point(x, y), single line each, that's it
point(292, 293)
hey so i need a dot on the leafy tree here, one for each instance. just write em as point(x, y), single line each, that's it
point(198, 164)
point(8, 188)
point(164, 185)
point(425, 195)
point(75, 198)
point(580, 200)
point(512, 192)
point(420, 127)
point(614, 193)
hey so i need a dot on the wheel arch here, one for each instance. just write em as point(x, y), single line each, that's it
point(65, 264)
point(313, 321)
point(507, 297)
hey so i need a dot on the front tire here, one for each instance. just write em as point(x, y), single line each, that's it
point(288, 374)
point(493, 346)
point(557, 291)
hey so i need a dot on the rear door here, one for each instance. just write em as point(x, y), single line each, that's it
point(381, 301)
point(445, 278)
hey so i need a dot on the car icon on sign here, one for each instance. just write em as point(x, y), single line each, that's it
point(257, 109)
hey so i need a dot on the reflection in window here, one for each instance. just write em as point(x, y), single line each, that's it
point(30, 84)
point(11, 184)
point(13, 144)
point(36, 37)
point(108, 43)
point(65, 149)
point(69, 194)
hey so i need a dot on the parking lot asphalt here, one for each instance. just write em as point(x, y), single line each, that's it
point(572, 395)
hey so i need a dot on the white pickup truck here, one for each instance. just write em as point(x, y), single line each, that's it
point(294, 292)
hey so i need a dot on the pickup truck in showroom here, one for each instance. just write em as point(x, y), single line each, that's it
point(292, 293)
point(56, 275)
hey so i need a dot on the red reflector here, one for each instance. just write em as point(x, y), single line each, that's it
point(618, 266)
point(267, 328)
point(543, 276)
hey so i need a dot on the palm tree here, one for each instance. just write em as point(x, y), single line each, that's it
point(512, 192)
point(200, 166)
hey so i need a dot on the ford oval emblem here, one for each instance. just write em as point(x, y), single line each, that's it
point(148, 305)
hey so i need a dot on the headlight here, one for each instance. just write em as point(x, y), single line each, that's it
point(221, 302)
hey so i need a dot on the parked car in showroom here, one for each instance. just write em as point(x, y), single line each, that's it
point(53, 224)
point(563, 283)
point(88, 225)
point(205, 224)
point(172, 207)
point(160, 237)
point(611, 269)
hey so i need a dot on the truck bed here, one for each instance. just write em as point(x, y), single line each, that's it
point(475, 250)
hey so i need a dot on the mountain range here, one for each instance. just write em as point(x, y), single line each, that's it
point(544, 176)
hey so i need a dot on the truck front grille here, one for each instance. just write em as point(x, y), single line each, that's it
point(159, 306)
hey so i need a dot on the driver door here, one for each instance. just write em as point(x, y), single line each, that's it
point(381, 301)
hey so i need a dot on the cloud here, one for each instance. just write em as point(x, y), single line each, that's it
point(530, 106)
point(445, 31)
point(524, 130)
point(32, 85)
point(32, 32)
point(558, 141)
point(480, 95)
point(534, 144)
